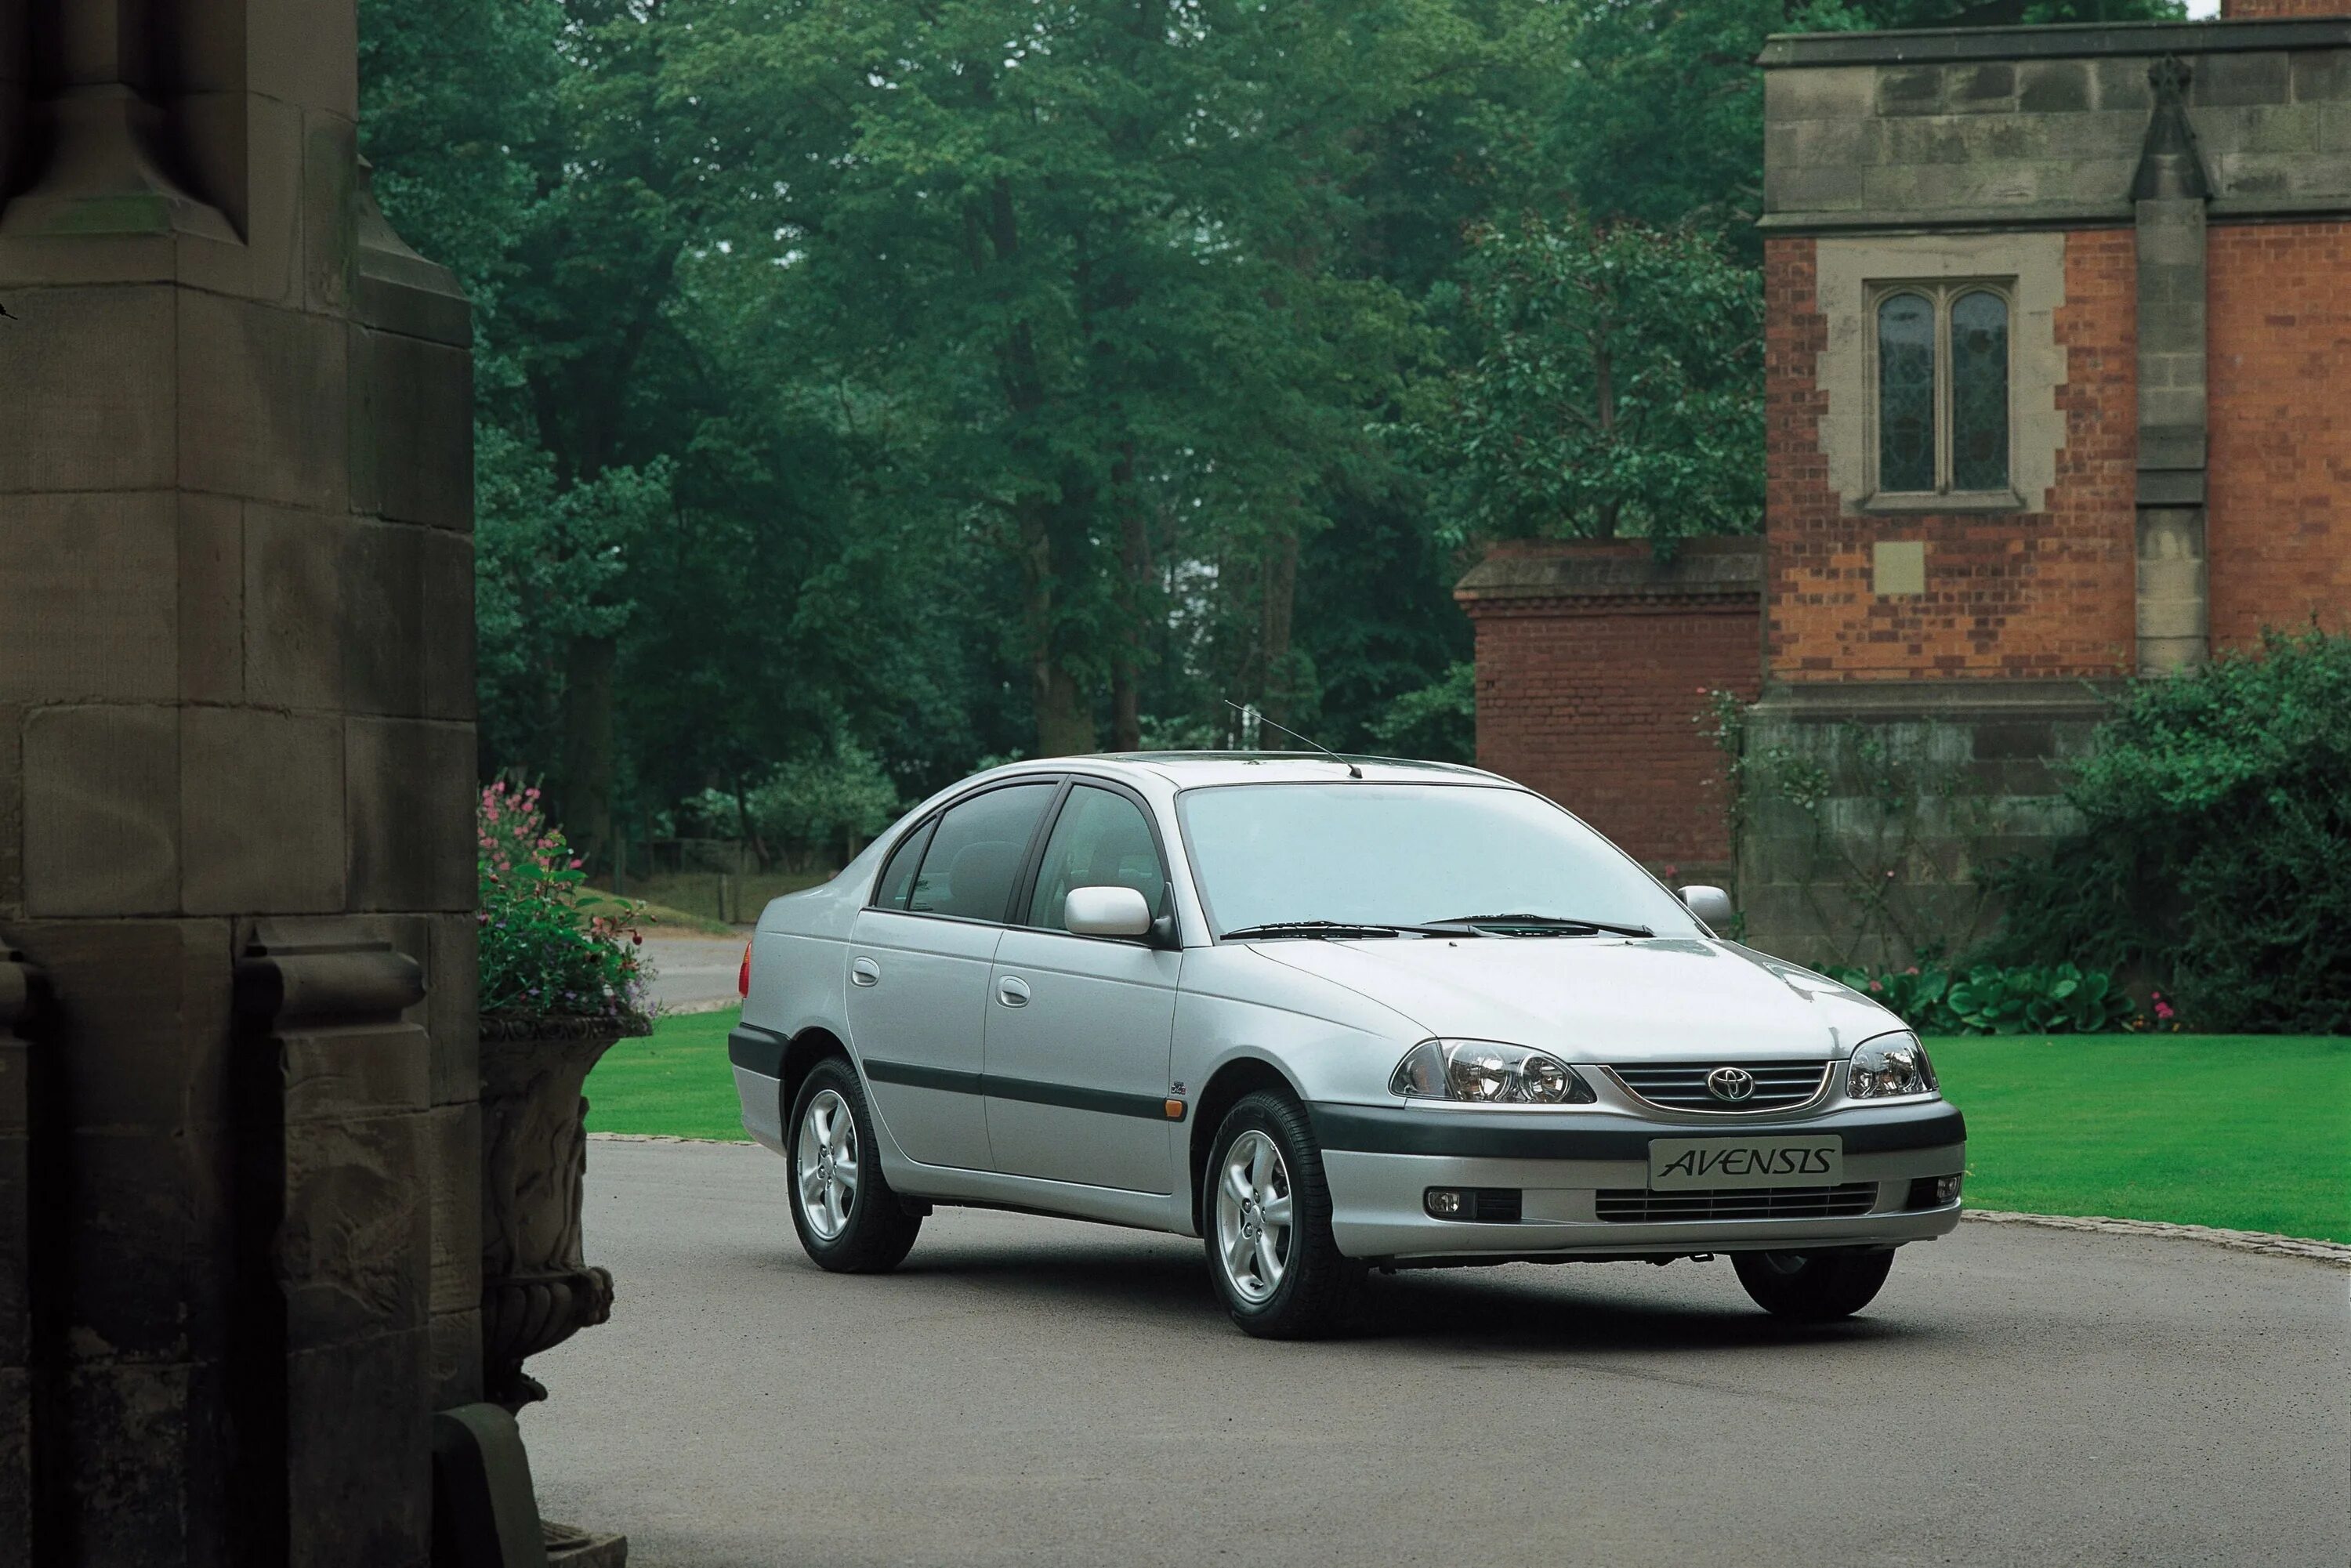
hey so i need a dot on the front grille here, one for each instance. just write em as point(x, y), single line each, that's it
point(1635, 1206)
point(1682, 1086)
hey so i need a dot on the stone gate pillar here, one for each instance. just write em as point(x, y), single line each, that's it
point(235, 686)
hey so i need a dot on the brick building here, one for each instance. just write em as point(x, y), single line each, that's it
point(2058, 392)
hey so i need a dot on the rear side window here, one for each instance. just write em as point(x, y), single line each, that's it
point(976, 852)
point(897, 878)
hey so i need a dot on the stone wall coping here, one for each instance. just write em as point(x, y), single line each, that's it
point(1615, 570)
point(2066, 216)
point(1946, 698)
point(2072, 40)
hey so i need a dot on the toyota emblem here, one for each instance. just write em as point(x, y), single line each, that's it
point(1730, 1083)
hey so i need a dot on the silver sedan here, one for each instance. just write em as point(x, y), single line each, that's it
point(1331, 1016)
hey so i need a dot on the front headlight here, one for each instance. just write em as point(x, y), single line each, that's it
point(1487, 1071)
point(1889, 1065)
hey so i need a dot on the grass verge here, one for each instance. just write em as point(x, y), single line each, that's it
point(2245, 1132)
point(2249, 1133)
point(676, 1080)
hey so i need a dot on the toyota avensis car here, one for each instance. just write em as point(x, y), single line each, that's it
point(1330, 1015)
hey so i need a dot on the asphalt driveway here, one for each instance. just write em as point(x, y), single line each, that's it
point(1035, 1391)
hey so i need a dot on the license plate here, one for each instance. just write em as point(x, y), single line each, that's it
point(1681, 1165)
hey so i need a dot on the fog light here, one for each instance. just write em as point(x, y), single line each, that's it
point(1443, 1202)
point(1933, 1192)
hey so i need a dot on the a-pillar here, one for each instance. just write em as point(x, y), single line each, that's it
point(235, 686)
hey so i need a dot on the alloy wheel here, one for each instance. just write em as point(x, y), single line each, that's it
point(1253, 1216)
point(827, 1151)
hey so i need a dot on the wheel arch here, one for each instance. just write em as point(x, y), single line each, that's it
point(801, 1053)
point(1226, 1087)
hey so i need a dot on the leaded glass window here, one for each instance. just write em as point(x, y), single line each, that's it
point(1939, 361)
point(1979, 391)
point(1906, 394)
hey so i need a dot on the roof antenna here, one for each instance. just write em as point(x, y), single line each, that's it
point(1251, 712)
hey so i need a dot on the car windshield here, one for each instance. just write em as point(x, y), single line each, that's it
point(1407, 854)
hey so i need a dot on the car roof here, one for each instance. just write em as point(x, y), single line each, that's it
point(1195, 770)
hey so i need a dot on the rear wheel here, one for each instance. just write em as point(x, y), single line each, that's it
point(1813, 1287)
point(848, 1218)
point(1268, 1214)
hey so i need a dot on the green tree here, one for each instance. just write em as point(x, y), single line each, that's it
point(1088, 259)
point(1614, 388)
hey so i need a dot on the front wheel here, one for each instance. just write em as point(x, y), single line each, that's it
point(1268, 1214)
point(848, 1218)
point(1813, 1287)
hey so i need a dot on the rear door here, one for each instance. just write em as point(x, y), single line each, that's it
point(918, 969)
point(1079, 1028)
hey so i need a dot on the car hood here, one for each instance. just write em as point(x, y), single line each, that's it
point(1588, 999)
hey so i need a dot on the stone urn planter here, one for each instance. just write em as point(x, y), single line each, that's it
point(537, 1289)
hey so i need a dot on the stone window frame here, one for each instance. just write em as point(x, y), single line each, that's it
point(1940, 292)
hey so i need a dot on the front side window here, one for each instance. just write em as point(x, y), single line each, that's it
point(1407, 854)
point(1941, 360)
point(1099, 839)
point(976, 851)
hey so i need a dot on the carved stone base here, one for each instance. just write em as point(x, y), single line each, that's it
point(537, 1288)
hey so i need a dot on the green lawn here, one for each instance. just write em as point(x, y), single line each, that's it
point(2252, 1133)
point(2247, 1132)
point(675, 1080)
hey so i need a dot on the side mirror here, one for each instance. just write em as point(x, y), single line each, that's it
point(1710, 904)
point(1106, 911)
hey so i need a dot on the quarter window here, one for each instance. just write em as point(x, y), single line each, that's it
point(1099, 839)
point(1940, 361)
point(975, 853)
point(897, 878)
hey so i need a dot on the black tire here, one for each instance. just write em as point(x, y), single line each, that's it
point(1813, 1287)
point(875, 1232)
point(1318, 1288)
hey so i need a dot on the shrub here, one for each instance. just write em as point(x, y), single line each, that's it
point(542, 954)
point(1990, 999)
point(815, 804)
point(2217, 825)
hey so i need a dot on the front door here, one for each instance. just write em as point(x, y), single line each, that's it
point(918, 970)
point(1080, 1029)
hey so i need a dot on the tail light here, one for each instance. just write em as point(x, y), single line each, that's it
point(743, 981)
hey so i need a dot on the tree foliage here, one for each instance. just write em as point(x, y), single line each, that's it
point(936, 381)
point(1612, 389)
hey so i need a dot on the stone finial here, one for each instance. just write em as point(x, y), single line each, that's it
point(2169, 168)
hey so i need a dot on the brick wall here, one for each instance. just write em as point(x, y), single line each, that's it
point(1594, 662)
point(2046, 594)
point(2280, 386)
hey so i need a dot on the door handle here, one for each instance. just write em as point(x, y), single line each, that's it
point(864, 972)
point(1012, 991)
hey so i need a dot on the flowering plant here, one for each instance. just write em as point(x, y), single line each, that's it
point(542, 952)
point(1989, 1000)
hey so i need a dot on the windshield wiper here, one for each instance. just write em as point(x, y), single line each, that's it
point(1549, 925)
point(1329, 928)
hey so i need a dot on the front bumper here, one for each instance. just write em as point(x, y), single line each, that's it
point(1381, 1160)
